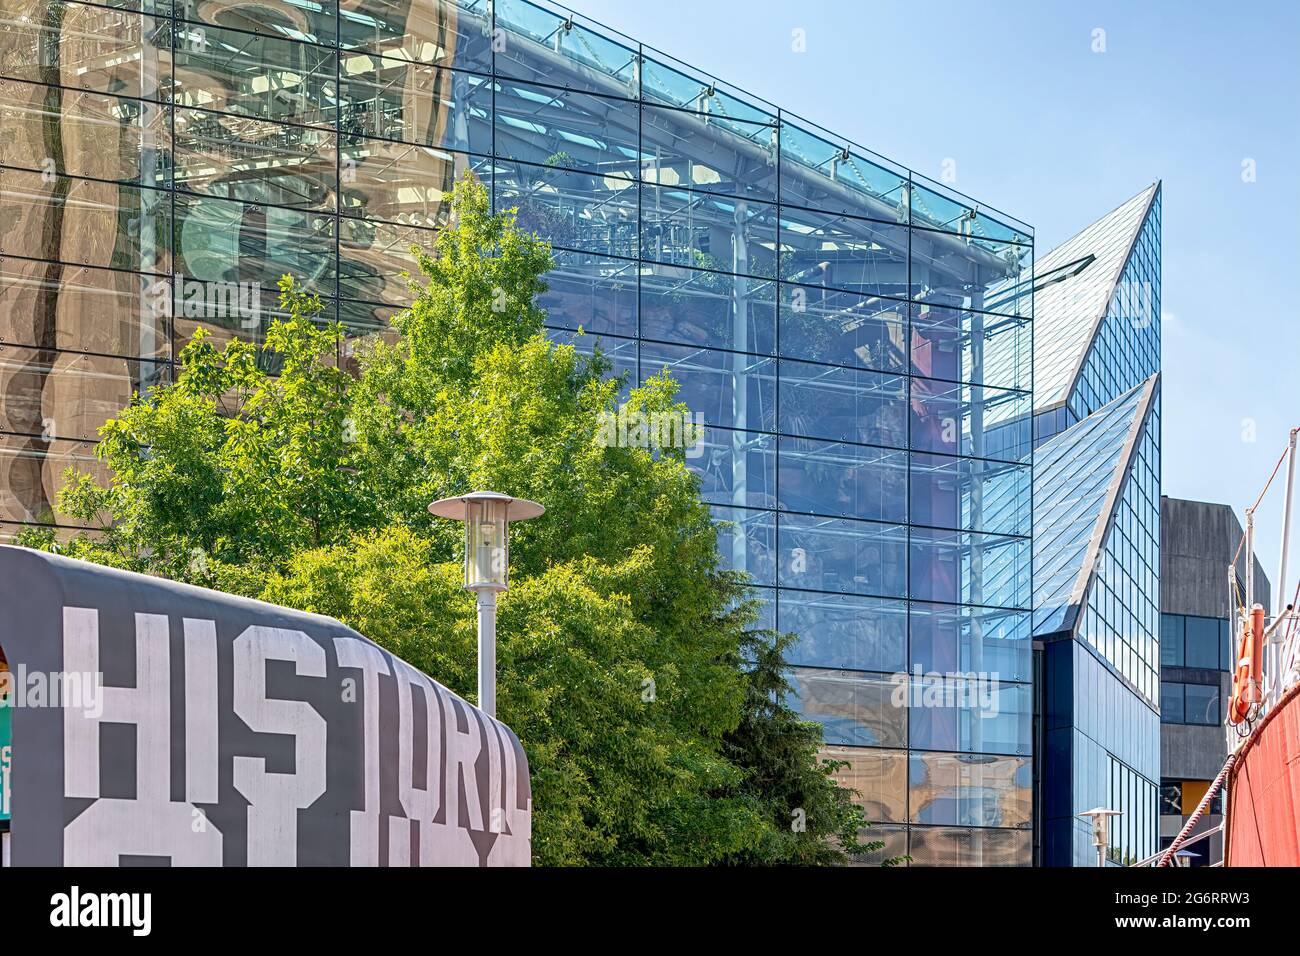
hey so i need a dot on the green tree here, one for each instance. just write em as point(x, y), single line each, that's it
point(653, 714)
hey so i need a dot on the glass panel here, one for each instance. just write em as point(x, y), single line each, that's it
point(193, 311)
point(957, 272)
point(315, 22)
point(239, 158)
point(843, 328)
point(1171, 702)
point(585, 291)
point(708, 231)
point(937, 207)
point(444, 32)
point(708, 308)
point(707, 153)
point(970, 494)
point(258, 76)
point(851, 481)
point(553, 48)
point(843, 404)
point(375, 259)
point(402, 183)
point(964, 346)
point(551, 127)
point(1202, 704)
point(89, 134)
point(84, 222)
point(970, 420)
point(729, 389)
point(878, 779)
point(735, 468)
point(948, 638)
point(844, 631)
point(84, 47)
point(218, 240)
point(31, 475)
point(973, 790)
point(962, 567)
point(980, 715)
point(76, 307)
point(416, 103)
point(894, 848)
point(67, 394)
point(1203, 642)
point(837, 554)
point(618, 355)
point(669, 82)
point(1171, 640)
point(584, 211)
point(836, 252)
point(819, 173)
point(860, 710)
point(747, 542)
point(953, 846)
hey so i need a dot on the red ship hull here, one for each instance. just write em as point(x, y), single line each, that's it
point(1263, 819)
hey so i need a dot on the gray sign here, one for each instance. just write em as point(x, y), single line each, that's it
point(159, 723)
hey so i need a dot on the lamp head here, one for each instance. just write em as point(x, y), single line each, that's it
point(486, 516)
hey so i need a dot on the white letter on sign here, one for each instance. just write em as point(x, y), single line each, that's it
point(276, 798)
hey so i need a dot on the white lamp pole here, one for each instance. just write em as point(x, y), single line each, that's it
point(1099, 817)
point(487, 516)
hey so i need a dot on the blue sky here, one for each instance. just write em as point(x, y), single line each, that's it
point(1041, 126)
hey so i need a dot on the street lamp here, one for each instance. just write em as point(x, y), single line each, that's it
point(1185, 857)
point(1099, 817)
point(487, 516)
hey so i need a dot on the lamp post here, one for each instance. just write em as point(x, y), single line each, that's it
point(487, 516)
point(1099, 817)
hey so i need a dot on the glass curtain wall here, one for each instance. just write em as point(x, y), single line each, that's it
point(828, 313)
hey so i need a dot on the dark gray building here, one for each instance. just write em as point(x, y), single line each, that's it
point(1198, 540)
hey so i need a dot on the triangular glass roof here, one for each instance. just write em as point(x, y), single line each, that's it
point(1073, 286)
point(1077, 476)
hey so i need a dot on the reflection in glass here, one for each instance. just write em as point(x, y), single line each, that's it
point(31, 475)
point(955, 846)
point(77, 307)
point(843, 328)
point(96, 135)
point(844, 404)
point(970, 790)
point(836, 554)
point(708, 308)
point(951, 638)
point(851, 481)
point(844, 631)
point(859, 710)
point(879, 780)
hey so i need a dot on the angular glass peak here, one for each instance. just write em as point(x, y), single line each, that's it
point(1074, 285)
point(1074, 473)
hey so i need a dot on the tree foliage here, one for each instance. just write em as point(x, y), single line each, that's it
point(654, 715)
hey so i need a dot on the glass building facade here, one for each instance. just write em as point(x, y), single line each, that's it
point(1097, 534)
point(843, 325)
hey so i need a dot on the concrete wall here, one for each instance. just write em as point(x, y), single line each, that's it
point(1188, 752)
point(1197, 540)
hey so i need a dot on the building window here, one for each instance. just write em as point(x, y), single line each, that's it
point(1171, 798)
point(1182, 703)
point(1201, 646)
point(1187, 640)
